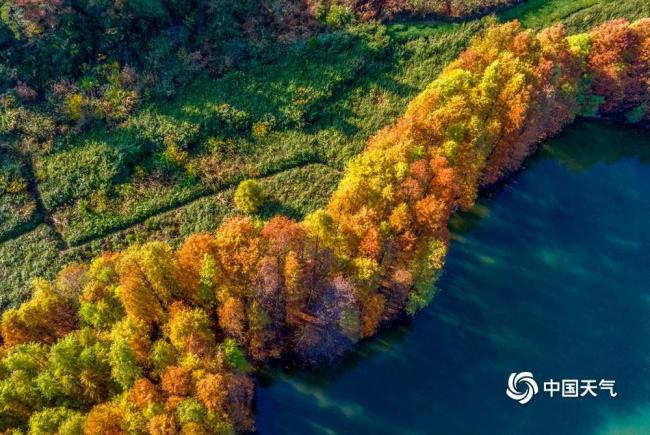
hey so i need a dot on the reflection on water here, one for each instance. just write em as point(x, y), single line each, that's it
point(550, 275)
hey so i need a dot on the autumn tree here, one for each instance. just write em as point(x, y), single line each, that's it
point(44, 318)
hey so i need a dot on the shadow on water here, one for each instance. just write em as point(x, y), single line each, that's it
point(549, 275)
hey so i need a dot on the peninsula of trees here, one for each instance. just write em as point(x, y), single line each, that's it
point(163, 341)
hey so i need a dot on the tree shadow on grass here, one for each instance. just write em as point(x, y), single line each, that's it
point(272, 207)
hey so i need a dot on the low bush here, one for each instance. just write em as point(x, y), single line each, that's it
point(249, 196)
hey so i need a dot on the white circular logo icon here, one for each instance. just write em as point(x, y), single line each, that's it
point(526, 383)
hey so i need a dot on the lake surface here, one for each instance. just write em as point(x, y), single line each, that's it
point(550, 274)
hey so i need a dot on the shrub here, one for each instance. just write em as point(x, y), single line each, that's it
point(249, 196)
point(228, 118)
point(339, 16)
point(262, 128)
point(76, 106)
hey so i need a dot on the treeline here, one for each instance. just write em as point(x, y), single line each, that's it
point(445, 9)
point(48, 44)
point(66, 65)
point(152, 340)
point(52, 40)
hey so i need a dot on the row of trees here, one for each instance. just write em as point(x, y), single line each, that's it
point(152, 340)
point(386, 9)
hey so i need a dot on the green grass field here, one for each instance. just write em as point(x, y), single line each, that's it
point(293, 120)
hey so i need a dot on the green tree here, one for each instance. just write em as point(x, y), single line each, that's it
point(50, 420)
point(249, 196)
point(234, 356)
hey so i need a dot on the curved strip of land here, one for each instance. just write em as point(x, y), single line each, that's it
point(154, 338)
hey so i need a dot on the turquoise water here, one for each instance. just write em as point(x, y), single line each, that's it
point(550, 274)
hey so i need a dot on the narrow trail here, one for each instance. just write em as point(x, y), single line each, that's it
point(43, 216)
point(207, 193)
